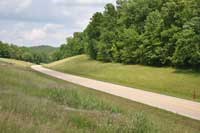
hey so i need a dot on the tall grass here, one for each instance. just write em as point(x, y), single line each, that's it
point(34, 103)
point(137, 123)
point(80, 100)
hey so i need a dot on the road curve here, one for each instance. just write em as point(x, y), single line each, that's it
point(176, 105)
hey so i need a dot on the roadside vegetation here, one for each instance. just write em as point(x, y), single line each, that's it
point(175, 82)
point(6, 61)
point(33, 102)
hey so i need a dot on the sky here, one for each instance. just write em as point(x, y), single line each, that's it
point(45, 22)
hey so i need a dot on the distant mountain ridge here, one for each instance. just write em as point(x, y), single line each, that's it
point(36, 54)
point(43, 49)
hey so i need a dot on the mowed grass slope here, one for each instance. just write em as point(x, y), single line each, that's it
point(15, 62)
point(34, 103)
point(169, 81)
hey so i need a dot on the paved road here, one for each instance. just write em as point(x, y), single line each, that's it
point(176, 105)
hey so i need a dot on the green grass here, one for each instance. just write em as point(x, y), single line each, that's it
point(169, 81)
point(15, 62)
point(34, 103)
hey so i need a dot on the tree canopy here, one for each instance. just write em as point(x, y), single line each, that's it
point(149, 32)
point(31, 54)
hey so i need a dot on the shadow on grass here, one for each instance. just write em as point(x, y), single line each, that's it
point(188, 71)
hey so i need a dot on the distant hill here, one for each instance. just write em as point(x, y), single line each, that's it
point(43, 49)
point(37, 54)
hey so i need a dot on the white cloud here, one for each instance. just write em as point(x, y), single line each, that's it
point(83, 2)
point(23, 4)
point(16, 5)
point(30, 22)
point(35, 34)
point(53, 27)
point(58, 1)
point(95, 1)
point(31, 34)
point(48, 30)
point(66, 13)
point(82, 24)
point(3, 32)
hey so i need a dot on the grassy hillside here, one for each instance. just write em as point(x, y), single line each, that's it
point(5, 61)
point(169, 81)
point(43, 49)
point(32, 102)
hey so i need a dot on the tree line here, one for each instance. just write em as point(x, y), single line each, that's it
point(148, 32)
point(23, 53)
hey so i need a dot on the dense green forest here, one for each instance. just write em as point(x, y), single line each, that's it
point(39, 54)
point(149, 32)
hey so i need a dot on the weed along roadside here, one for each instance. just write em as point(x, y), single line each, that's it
point(176, 105)
point(39, 103)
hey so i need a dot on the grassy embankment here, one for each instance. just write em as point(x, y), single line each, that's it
point(169, 81)
point(33, 102)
